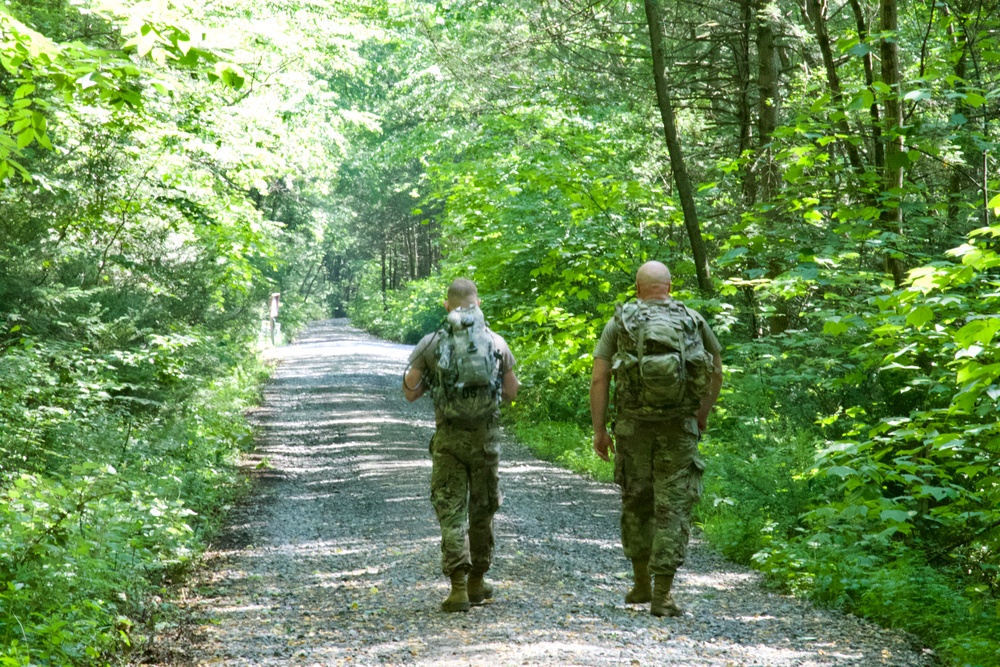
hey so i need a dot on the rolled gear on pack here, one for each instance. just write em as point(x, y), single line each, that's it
point(661, 368)
point(467, 384)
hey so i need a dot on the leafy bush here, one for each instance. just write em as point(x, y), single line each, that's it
point(111, 481)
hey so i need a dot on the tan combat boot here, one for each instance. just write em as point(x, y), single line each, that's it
point(642, 591)
point(458, 600)
point(479, 589)
point(663, 604)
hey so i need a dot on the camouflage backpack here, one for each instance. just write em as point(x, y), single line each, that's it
point(467, 383)
point(661, 366)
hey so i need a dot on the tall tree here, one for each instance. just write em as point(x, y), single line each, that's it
point(892, 211)
point(654, 19)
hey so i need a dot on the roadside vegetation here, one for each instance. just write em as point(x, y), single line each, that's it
point(152, 197)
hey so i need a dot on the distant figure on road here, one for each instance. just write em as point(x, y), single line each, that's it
point(667, 367)
point(469, 371)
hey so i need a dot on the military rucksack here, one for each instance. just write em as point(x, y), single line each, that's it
point(661, 367)
point(467, 382)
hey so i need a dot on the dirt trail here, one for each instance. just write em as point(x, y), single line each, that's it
point(335, 561)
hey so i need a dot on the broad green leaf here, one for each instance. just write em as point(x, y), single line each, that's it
point(24, 90)
point(975, 100)
point(995, 205)
point(835, 327)
point(899, 516)
point(920, 316)
point(25, 137)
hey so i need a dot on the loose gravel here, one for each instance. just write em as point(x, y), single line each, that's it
point(335, 558)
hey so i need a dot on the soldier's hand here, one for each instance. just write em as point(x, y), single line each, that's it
point(603, 444)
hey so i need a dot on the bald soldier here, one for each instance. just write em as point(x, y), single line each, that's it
point(667, 367)
point(469, 370)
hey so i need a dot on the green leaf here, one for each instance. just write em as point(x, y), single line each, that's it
point(834, 326)
point(920, 316)
point(974, 100)
point(24, 90)
point(860, 50)
point(995, 205)
point(978, 331)
point(899, 516)
point(26, 137)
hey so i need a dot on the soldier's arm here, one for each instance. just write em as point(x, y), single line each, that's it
point(413, 380)
point(509, 382)
point(714, 386)
point(510, 386)
point(413, 384)
point(600, 393)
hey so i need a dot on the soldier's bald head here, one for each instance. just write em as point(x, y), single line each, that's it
point(652, 281)
point(462, 293)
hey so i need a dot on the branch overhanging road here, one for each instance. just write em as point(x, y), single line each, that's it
point(335, 558)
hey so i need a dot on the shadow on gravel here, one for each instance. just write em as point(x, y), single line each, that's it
point(336, 559)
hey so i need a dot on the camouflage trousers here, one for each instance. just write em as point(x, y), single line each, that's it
point(465, 492)
point(659, 471)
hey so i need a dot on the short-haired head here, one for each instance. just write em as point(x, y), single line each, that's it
point(462, 293)
point(652, 281)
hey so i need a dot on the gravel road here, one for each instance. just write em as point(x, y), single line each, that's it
point(335, 558)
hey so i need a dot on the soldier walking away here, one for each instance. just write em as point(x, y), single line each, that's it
point(469, 371)
point(667, 367)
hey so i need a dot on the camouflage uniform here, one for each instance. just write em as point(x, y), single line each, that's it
point(465, 492)
point(465, 488)
point(659, 471)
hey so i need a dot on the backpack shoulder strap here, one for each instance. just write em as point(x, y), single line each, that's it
point(625, 318)
point(695, 316)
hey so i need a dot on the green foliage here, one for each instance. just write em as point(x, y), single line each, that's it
point(84, 545)
point(753, 477)
point(403, 315)
point(897, 589)
point(153, 193)
point(45, 74)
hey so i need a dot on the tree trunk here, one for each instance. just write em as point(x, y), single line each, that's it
point(767, 111)
point(414, 249)
point(741, 56)
point(816, 12)
point(654, 17)
point(767, 123)
point(955, 203)
point(878, 150)
point(385, 286)
point(892, 213)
